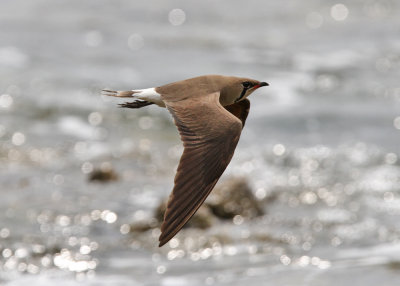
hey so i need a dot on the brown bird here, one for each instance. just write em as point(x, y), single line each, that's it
point(210, 112)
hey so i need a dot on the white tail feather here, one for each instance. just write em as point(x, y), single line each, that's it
point(147, 94)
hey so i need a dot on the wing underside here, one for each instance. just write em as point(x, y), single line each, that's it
point(210, 134)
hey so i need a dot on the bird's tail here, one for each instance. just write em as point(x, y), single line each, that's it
point(128, 93)
point(119, 93)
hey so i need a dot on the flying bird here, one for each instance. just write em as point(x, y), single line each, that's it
point(210, 112)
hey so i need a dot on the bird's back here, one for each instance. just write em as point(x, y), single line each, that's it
point(196, 86)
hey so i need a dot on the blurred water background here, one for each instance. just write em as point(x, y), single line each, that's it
point(320, 149)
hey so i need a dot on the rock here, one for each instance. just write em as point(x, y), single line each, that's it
point(144, 226)
point(234, 197)
point(202, 219)
point(103, 174)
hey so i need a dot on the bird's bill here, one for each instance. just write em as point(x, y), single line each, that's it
point(261, 84)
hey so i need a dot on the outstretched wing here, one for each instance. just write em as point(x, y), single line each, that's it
point(210, 134)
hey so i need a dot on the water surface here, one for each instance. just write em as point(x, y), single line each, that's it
point(320, 148)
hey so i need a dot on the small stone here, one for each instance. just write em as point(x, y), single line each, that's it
point(144, 226)
point(234, 197)
point(103, 175)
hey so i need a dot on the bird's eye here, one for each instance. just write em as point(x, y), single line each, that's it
point(246, 84)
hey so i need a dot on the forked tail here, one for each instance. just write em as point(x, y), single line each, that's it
point(118, 93)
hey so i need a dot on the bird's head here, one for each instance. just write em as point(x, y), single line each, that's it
point(241, 88)
point(248, 86)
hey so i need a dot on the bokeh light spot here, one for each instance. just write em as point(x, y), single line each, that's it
point(135, 42)
point(18, 139)
point(390, 158)
point(339, 12)
point(396, 122)
point(238, 219)
point(161, 269)
point(177, 17)
point(279, 149)
point(125, 229)
point(314, 20)
point(87, 168)
point(285, 260)
point(6, 100)
point(4, 233)
point(95, 118)
point(93, 38)
point(145, 122)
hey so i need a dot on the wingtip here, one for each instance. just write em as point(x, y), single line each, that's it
point(167, 234)
point(162, 240)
